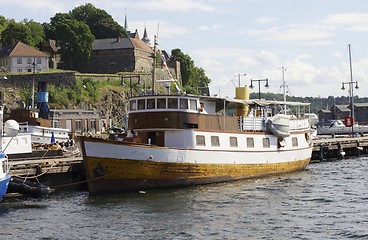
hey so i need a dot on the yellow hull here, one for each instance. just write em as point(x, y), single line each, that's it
point(116, 175)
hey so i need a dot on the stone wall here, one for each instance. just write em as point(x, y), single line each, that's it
point(26, 80)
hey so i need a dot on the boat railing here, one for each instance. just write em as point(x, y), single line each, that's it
point(253, 124)
point(299, 124)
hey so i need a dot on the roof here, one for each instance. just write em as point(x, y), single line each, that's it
point(112, 43)
point(343, 108)
point(361, 105)
point(140, 44)
point(120, 43)
point(20, 49)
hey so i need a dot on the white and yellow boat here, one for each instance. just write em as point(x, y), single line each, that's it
point(185, 140)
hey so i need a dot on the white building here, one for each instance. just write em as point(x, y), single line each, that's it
point(22, 58)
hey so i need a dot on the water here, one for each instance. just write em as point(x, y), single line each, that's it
point(327, 201)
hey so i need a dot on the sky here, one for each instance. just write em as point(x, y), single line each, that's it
point(236, 41)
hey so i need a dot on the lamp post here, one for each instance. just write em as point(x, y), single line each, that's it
point(259, 85)
point(351, 94)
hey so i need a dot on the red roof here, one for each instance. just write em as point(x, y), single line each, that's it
point(21, 50)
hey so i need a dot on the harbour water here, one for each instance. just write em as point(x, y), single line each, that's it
point(329, 200)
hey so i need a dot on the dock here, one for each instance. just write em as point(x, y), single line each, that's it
point(57, 172)
point(325, 148)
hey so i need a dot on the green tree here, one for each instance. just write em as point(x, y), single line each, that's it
point(75, 40)
point(3, 23)
point(194, 79)
point(37, 32)
point(101, 24)
point(50, 28)
point(18, 32)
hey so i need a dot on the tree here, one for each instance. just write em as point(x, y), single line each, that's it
point(50, 28)
point(193, 78)
point(101, 24)
point(18, 32)
point(3, 23)
point(75, 40)
point(37, 32)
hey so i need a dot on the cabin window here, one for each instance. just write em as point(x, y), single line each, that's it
point(151, 103)
point(200, 140)
point(233, 141)
point(266, 142)
point(193, 105)
point(141, 104)
point(133, 105)
point(161, 103)
point(294, 142)
point(172, 103)
point(215, 141)
point(183, 103)
point(250, 142)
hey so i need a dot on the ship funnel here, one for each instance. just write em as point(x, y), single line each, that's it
point(43, 99)
point(242, 93)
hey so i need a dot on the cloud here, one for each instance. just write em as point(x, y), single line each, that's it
point(300, 34)
point(353, 21)
point(266, 20)
point(175, 5)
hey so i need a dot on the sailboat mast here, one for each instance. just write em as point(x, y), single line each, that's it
point(351, 84)
point(154, 64)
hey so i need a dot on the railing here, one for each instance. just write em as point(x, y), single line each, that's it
point(254, 124)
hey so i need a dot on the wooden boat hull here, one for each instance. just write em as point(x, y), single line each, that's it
point(106, 174)
point(116, 175)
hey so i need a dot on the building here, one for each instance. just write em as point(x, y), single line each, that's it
point(78, 120)
point(340, 112)
point(115, 55)
point(19, 57)
point(51, 48)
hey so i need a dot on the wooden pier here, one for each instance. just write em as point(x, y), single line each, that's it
point(338, 147)
point(58, 172)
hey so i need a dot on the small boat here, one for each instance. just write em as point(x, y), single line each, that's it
point(337, 127)
point(10, 129)
point(4, 174)
point(185, 140)
point(46, 135)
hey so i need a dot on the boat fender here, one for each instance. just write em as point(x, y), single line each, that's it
point(307, 136)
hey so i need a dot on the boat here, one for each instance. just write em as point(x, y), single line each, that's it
point(42, 135)
point(9, 130)
point(184, 140)
point(337, 127)
point(4, 174)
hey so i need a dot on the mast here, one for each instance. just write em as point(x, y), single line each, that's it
point(284, 86)
point(351, 89)
point(154, 64)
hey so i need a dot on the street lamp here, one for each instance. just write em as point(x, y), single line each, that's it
point(351, 94)
point(259, 85)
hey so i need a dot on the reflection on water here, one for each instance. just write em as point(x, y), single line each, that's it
point(327, 201)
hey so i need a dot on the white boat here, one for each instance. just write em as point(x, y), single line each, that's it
point(336, 127)
point(8, 131)
point(46, 135)
point(185, 140)
point(4, 174)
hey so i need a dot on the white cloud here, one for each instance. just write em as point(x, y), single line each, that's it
point(175, 5)
point(355, 22)
point(302, 34)
point(266, 20)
